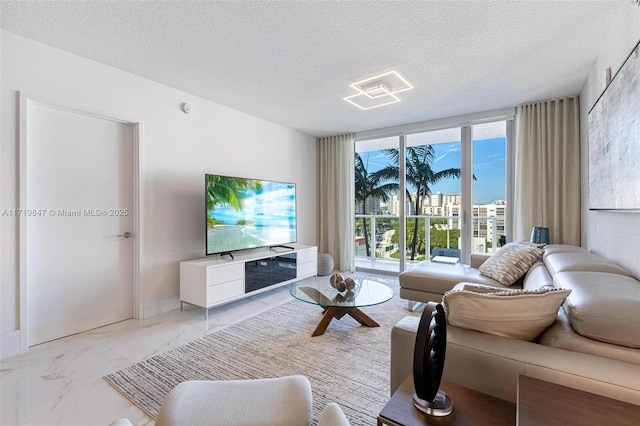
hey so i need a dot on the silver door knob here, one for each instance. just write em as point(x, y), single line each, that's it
point(125, 235)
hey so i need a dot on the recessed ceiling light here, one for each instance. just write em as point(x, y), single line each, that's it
point(380, 89)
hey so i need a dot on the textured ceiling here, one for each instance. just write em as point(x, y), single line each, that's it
point(292, 62)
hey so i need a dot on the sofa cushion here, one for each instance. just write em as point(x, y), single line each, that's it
point(439, 277)
point(561, 335)
point(511, 262)
point(581, 261)
point(561, 248)
point(603, 306)
point(519, 314)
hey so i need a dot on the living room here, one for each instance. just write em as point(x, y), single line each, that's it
point(269, 136)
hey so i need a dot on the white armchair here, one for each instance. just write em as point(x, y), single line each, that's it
point(264, 402)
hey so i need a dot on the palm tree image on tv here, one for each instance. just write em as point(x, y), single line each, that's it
point(246, 213)
point(225, 190)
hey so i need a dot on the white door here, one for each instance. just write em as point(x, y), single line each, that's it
point(79, 180)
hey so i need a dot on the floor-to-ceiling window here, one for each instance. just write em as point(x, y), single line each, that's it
point(450, 187)
point(376, 205)
point(489, 187)
point(433, 180)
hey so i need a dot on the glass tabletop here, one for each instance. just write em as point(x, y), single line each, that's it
point(320, 292)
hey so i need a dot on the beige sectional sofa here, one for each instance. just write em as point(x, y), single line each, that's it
point(593, 345)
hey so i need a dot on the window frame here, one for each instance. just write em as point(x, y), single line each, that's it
point(465, 123)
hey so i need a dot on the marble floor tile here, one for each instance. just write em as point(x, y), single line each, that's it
point(99, 407)
point(137, 340)
point(51, 375)
point(61, 382)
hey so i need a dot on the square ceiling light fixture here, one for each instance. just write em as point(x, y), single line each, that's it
point(379, 90)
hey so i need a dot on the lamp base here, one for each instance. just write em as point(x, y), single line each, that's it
point(442, 404)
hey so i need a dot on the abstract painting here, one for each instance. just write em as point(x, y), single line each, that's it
point(614, 141)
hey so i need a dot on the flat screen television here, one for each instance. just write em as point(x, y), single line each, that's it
point(243, 213)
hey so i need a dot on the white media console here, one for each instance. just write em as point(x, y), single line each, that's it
point(216, 280)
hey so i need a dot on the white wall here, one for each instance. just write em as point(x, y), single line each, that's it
point(178, 149)
point(612, 234)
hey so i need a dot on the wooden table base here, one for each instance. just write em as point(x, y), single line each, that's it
point(332, 312)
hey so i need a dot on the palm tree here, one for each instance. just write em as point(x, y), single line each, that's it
point(420, 175)
point(227, 190)
point(370, 185)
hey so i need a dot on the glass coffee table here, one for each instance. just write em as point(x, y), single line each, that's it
point(338, 304)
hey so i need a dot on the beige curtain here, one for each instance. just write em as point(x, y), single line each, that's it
point(336, 195)
point(547, 170)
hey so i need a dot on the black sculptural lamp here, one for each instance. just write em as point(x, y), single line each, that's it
point(428, 363)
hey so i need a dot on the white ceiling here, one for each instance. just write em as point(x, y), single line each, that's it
point(292, 62)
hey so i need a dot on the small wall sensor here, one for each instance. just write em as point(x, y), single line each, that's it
point(186, 108)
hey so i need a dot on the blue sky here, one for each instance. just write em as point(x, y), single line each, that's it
point(488, 167)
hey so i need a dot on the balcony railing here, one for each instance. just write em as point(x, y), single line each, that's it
point(488, 232)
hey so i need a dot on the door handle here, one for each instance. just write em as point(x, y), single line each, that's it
point(125, 235)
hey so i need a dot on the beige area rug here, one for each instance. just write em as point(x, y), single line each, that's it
point(349, 364)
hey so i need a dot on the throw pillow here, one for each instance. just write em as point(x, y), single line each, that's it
point(518, 314)
point(511, 262)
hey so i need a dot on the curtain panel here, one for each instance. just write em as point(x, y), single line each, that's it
point(547, 170)
point(336, 195)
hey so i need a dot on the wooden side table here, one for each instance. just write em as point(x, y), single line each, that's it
point(469, 408)
point(541, 402)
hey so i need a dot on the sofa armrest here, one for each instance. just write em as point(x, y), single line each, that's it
point(491, 364)
point(478, 259)
point(403, 341)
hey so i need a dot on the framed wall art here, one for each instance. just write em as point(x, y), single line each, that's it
point(614, 141)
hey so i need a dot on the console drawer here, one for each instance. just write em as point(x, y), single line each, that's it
point(307, 269)
point(222, 274)
point(308, 255)
point(221, 292)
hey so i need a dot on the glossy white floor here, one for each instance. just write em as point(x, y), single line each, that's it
point(60, 382)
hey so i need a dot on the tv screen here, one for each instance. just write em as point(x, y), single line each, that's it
point(247, 213)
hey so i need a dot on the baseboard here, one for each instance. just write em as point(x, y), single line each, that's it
point(160, 307)
point(9, 344)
